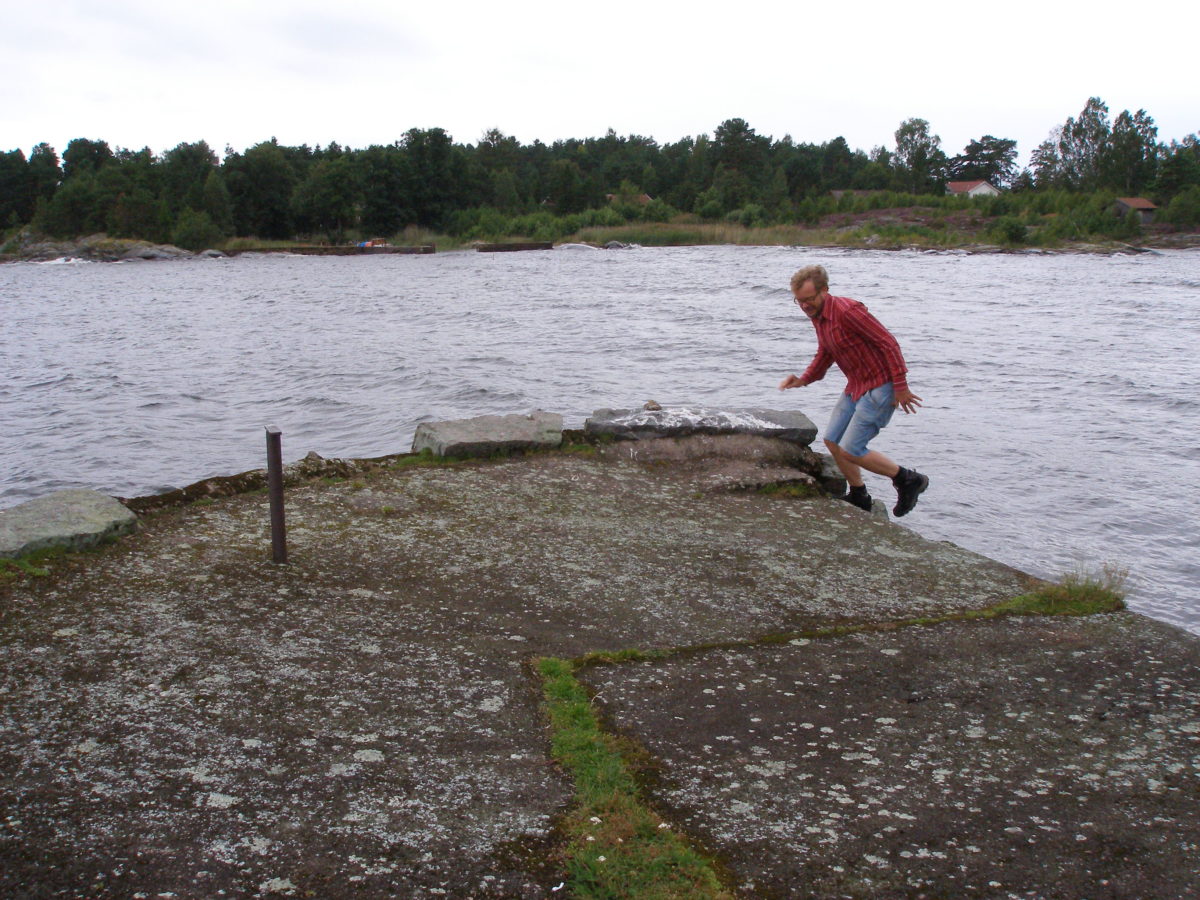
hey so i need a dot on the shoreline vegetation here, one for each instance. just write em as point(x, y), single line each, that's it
point(1095, 180)
point(918, 228)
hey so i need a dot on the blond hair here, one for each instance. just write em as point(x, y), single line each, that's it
point(816, 274)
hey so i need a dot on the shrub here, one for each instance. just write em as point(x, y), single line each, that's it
point(708, 205)
point(749, 216)
point(1009, 230)
point(1184, 209)
point(195, 231)
point(657, 211)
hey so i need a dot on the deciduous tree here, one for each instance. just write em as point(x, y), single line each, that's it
point(1082, 145)
point(84, 155)
point(1130, 162)
point(260, 184)
point(185, 169)
point(919, 161)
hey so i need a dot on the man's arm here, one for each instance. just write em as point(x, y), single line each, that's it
point(815, 372)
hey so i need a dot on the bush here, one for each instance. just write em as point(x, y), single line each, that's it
point(1184, 209)
point(195, 231)
point(749, 216)
point(708, 205)
point(658, 211)
point(1009, 230)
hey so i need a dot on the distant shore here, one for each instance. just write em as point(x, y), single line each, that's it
point(102, 248)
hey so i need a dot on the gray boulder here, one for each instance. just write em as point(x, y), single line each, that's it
point(829, 476)
point(487, 435)
point(73, 519)
point(156, 251)
point(682, 421)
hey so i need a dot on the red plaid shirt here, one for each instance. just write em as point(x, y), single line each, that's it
point(863, 349)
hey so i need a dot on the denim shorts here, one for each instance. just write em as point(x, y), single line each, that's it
point(852, 425)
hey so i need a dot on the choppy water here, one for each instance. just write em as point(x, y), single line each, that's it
point(1061, 392)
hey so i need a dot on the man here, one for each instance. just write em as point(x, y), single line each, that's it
point(876, 383)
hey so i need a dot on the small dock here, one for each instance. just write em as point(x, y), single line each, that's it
point(356, 250)
point(515, 245)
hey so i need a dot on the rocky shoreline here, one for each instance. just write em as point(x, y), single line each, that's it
point(102, 248)
point(99, 248)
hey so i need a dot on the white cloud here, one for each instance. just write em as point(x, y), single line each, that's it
point(140, 73)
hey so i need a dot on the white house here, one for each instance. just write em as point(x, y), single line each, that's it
point(972, 189)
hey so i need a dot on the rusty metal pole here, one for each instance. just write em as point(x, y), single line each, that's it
point(275, 489)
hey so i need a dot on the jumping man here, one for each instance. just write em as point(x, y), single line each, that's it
point(876, 383)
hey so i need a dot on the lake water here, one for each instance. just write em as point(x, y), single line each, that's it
point(1061, 391)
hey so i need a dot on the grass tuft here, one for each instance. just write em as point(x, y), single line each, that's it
point(425, 457)
point(1075, 595)
point(616, 845)
point(11, 568)
point(32, 564)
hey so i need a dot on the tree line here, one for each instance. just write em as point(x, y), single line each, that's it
point(190, 197)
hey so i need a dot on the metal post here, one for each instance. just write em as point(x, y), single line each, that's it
point(275, 489)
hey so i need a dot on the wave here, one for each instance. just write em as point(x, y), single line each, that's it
point(65, 261)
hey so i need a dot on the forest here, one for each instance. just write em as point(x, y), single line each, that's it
point(498, 187)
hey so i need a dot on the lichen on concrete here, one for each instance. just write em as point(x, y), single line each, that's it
point(181, 715)
point(887, 764)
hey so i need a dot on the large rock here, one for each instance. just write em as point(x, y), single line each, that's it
point(73, 519)
point(682, 421)
point(156, 251)
point(487, 435)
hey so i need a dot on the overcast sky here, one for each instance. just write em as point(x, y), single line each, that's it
point(156, 73)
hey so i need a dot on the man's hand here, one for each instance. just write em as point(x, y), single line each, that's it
point(792, 381)
point(906, 400)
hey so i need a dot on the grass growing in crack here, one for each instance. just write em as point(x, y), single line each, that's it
point(1075, 595)
point(35, 563)
point(793, 489)
point(11, 568)
point(615, 657)
point(617, 846)
point(577, 449)
point(423, 458)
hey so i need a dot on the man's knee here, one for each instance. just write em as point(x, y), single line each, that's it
point(839, 451)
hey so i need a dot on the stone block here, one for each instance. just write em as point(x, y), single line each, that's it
point(72, 519)
point(682, 421)
point(487, 435)
point(829, 476)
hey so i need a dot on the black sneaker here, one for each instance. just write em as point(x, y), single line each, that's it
point(908, 490)
point(862, 499)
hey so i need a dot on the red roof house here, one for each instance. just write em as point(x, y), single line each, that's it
point(1123, 206)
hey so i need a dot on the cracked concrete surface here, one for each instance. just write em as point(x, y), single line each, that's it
point(179, 715)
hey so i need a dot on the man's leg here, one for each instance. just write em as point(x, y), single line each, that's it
point(850, 470)
point(872, 461)
point(839, 421)
point(872, 413)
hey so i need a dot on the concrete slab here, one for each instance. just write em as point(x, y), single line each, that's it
point(488, 435)
point(681, 421)
point(1014, 758)
point(72, 519)
point(181, 715)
